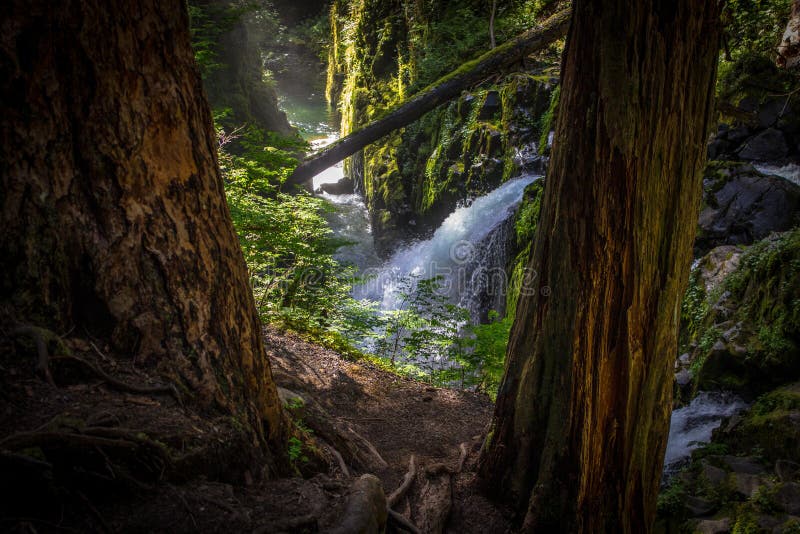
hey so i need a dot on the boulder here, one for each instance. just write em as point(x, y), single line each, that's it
point(787, 470)
point(717, 264)
point(769, 145)
point(787, 497)
point(713, 526)
point(743, 206)
point(745, 485)
point(714, 475)
point(344, 186)
point(743, 464)
point(699, 507)
point(490, 107)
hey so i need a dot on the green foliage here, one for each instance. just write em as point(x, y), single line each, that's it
point(484, 364)
point(208, 23)
point(755, 26)
point(424, 328)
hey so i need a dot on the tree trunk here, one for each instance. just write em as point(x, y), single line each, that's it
point(789, 49)
point(113, 210)
point(441, 91)
point(582, 415)
point(492, 43)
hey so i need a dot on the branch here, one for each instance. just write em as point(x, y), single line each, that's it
point(438, 93)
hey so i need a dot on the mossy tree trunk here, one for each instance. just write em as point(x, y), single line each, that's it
point(113, 210)
point(582, 415)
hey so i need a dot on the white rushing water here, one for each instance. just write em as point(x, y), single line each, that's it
point(692, 425)
point(461, 251)
point(790, 171)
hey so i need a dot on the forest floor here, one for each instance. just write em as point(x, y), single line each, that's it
point(83, 453)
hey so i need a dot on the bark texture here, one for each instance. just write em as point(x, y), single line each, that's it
point(113, 210)
point(439, 92)
point(582, 415)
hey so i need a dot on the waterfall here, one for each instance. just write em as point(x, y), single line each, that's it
point(469, 251)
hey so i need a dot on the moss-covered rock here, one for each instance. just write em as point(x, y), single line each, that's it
point(744, 333)
point(412, 179)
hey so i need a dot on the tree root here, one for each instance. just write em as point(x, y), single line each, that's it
point(369, 446)
point(42, 336)
point(365, 510)
point(408, 479)
point(342, 465)
point(462, 457)
point(402, 522)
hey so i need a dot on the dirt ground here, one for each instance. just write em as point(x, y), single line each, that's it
point(110, 445)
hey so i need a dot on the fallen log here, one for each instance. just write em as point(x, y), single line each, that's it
point(438, 93)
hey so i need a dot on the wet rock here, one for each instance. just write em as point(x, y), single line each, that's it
point(717, 264)
point(767, 522)
point(714, 475)
point(769, 145)
point(787, 497)
point(743, 206)
point(787, 470)
point(745, 465)
point(344, 186)
point(771, 111)
point(491, 106)
point(713, 526)
point(745, 485)
point(683, 377)
point(699, 507)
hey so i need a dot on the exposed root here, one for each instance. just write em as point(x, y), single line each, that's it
point(370, 447)
point(462, 458)
point(402, 522)
point(342, 465)
point(408, 479)
point(365, 510)
point(119, 385)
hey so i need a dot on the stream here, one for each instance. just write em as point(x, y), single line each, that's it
point(469, 251)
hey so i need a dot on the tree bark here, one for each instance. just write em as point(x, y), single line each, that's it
point(438, 93)
point(580, 427)
point(113, 210)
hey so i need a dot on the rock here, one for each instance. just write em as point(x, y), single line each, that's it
point(744, 464)
point(344, 186)
point(683, 377)
point(719, 147)
point(787, 470)
point(770, 111)
point(787, 497)
point(491, 106)
point(465, 106)
point(699, 507)
point(714, 475)
point(744, 207)
point(713, 526)
point(769, 145)
point(738, 134)
point(745, 485)
point(717, 264)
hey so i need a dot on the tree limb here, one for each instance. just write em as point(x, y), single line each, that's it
point(441, 91)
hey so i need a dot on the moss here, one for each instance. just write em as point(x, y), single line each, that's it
point(763, 300)
point(548, 120)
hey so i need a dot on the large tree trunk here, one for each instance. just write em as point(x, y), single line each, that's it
point(439, 92)
point(113, 210)
point(582, 415)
